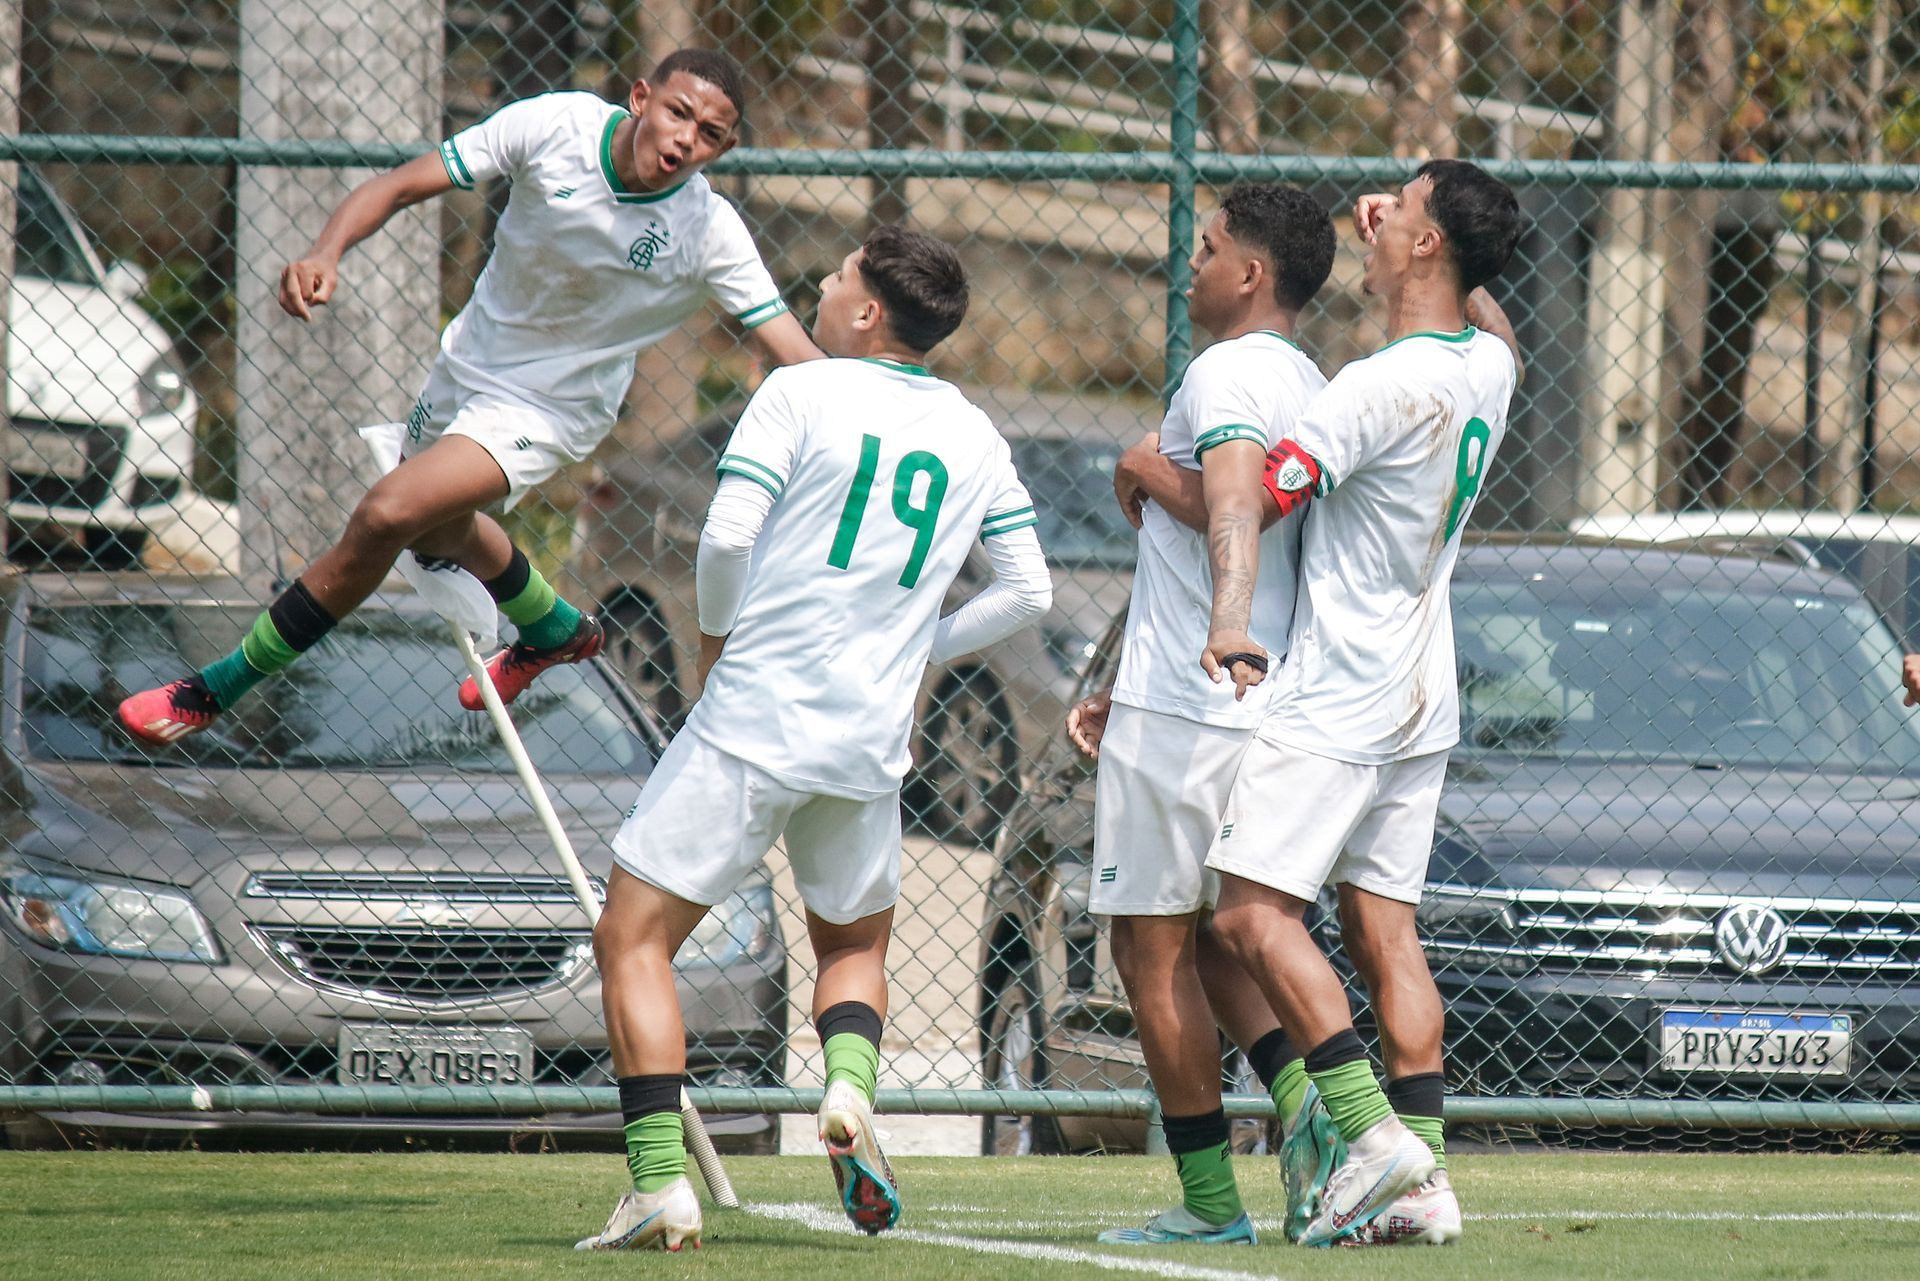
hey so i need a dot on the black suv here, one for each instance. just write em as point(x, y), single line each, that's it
point(1676, 855)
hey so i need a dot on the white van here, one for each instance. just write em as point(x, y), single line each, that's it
point(1880, 553)
point(99, 433)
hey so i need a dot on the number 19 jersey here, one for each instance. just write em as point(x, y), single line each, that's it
point(882, 477)
point(1400, 442)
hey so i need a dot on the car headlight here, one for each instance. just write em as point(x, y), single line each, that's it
point(742, 925)
point(105, 917)
point(1479, 917)
point(162, 389)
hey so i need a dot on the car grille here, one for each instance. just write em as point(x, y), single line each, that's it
point(452, 887)
point(53, 464)
point(1667, 935)
point(427, 965)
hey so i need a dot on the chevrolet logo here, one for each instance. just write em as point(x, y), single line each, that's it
point(431, 911)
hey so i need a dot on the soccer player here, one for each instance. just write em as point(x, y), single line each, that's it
point(849, 497)
point(611, 238)
point(1342, 782)
point(1168, 736)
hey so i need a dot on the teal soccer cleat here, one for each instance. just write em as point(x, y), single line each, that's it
point(1179, 1227)
point(1309, 1154)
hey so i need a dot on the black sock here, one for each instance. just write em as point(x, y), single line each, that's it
point(1271, 1053)
point(644, 1095)
point(512, 580)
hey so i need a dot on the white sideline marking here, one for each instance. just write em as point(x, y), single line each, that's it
point(820, 1220)
point(1709, 1216)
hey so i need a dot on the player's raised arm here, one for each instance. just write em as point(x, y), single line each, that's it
point(785, 341)
point(310, 281)
point(1482, 312)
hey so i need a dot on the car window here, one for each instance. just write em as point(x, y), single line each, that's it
point(1072, 486)
point(44, 242)
point(378, 693)
point(1692, 674)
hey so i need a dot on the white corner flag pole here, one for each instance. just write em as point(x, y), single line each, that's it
point(699, 1143)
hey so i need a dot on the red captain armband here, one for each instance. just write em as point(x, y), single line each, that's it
point(1292, 476)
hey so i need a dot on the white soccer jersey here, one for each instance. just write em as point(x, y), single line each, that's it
point(882, 476)
point(584, 274)
point(1249, 388)
point(1402, 440)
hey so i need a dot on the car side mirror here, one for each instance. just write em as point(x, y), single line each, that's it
point(125, 281)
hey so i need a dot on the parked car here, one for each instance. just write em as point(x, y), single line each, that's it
point(1675, 854)
point(341, 882)
point(99, 433)
point(1880, 553)
point(978, 718)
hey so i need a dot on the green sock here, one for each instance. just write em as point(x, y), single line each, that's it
point(1432, 1131)
point(656, 1151)
point(544, 619)
point(1289, 1090)
point(1353, 1097)
point(1207, 1184)
point(262, 653)
point(854, 1059)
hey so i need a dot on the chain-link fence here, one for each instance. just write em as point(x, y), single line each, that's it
point(1677, 880)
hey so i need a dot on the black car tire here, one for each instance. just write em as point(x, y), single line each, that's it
point(967, 772)
point(1014, 1057)
point(641, 651)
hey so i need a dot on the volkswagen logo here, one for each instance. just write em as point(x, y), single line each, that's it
point(1750, 938)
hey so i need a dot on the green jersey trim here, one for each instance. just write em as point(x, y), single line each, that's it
point(747, 469)
point(1214, 437)
point(1435, 334)
point(755, 316)
point(457, 171)
point(620, 193)
point(1008, 521)
point(900, 365)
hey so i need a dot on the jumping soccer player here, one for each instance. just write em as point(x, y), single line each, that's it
point(610, 240)
point(1169, 738)
point(849, 497)
point(1342, 782)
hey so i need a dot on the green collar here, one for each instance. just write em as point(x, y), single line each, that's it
point(903, 367)
point(1275, 333)
point(620, 193)
point(1462, 336)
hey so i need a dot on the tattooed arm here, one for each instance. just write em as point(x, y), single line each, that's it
point(1230, 478)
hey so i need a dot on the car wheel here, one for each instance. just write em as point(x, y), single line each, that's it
point(968, 773)
point(1015, 1058)
point(639, 649)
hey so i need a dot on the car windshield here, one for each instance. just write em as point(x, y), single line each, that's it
point(378, 693)
point(1072, 486)
point(1692, 674)
point(44, 244)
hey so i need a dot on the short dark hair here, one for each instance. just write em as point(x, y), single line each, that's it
point(919, 280)
point(717, 69)
point(1477, 214)
point(1290, 230)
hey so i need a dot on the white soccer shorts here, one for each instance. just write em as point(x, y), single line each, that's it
point(706, 818)
point(528, 445)
point(1297, 822)
point(1159, 791)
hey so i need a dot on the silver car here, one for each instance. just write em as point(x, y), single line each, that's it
point(341, 882)
point(978, 717)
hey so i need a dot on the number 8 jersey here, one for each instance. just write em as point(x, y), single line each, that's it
point(882, 477)
point(1395, 449)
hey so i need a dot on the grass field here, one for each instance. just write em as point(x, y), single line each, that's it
point(215, 1217)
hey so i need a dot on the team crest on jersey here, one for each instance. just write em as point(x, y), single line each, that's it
point(650, 242)
point(1291, 475)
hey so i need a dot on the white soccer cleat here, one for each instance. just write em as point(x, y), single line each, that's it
point(860, 1169)
point(663, 1220)
point(1428, 1215)
point(1382, 1165)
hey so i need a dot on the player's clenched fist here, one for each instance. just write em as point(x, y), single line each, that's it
point(1087, 722)
point(307, 284)
point(1369, 210)
point(1910, 677)
point(1235, 656)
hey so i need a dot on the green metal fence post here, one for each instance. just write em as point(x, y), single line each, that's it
point(1183, 178)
